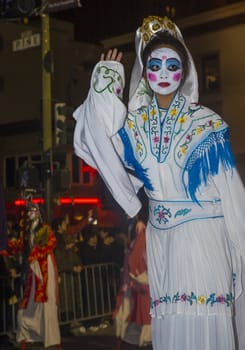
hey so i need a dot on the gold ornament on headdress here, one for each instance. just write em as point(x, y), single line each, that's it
point(154, 24)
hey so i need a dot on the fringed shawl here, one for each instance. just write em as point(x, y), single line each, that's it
point(195, 138)
point(206, 159)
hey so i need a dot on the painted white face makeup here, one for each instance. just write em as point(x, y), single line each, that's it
point(164, 71)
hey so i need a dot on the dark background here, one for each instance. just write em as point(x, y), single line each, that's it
point(100, 19)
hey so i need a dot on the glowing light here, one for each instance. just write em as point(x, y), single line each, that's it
point(65, 200)
point(61, 201)
point(22, 202)
point(84, 200)
point(88, 169)
point(38, 200)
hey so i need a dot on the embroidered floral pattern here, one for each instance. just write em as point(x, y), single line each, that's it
point(167, 214)
point(161, 133)
point(173, 112)
point(110, 80)
point(162, 214)
point(181, 120)
point(139, 144)
point(153, 112)
point(196, 132)
point(226, 299)
point(144, 116)
point(131, 124)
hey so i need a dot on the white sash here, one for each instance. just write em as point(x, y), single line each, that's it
point(164, 215)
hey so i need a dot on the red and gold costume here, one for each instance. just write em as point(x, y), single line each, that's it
point(45, 244)
point(37, 314)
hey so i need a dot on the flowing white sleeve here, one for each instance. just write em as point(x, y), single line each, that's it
point(100, 117)
point(233, 201)
point(232, 191)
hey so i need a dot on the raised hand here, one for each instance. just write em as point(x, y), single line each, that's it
point(112, 55)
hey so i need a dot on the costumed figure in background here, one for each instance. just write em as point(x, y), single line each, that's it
point(132, 316)
point(180, 152)
point(37, 315)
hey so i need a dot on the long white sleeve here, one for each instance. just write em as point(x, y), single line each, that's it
point(232, 194)
point(97, 120)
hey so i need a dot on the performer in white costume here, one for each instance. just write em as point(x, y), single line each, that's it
point(180, 152)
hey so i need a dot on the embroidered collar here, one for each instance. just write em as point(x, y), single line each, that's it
point(161, 134)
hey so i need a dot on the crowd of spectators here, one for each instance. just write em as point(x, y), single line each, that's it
point(81, 245)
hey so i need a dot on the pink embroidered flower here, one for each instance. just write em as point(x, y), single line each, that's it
point(156, 139)
point(183, 297)
point(188, 137)
point(161, 215)
point(221, 299)
point(166, 139)
point(157, 302)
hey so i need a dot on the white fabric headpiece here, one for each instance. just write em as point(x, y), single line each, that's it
point(139, 92)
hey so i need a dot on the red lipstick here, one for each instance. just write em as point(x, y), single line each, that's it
point(164, 85)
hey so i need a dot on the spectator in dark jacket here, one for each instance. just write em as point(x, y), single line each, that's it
point(88, 249)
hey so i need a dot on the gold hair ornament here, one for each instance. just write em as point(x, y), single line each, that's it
point(154, 24)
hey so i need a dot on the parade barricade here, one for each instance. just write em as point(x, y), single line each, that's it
point(83, 296)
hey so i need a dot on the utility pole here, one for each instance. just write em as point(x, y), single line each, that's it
point(47, 113)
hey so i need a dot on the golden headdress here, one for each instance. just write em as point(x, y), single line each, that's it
point(153, 24)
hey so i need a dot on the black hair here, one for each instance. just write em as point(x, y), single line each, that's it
point(163, 39)
point(57, 222)
point(89, 231)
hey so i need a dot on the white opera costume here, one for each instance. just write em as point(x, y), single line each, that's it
point(196, 228)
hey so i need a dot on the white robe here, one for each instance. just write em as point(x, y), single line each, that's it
point(39, 321)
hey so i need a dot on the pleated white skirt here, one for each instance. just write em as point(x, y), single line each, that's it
point(194, 277)
point(186, 332)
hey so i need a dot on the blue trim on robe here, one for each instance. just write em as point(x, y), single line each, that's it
point(205, 160)
point(130, 159)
